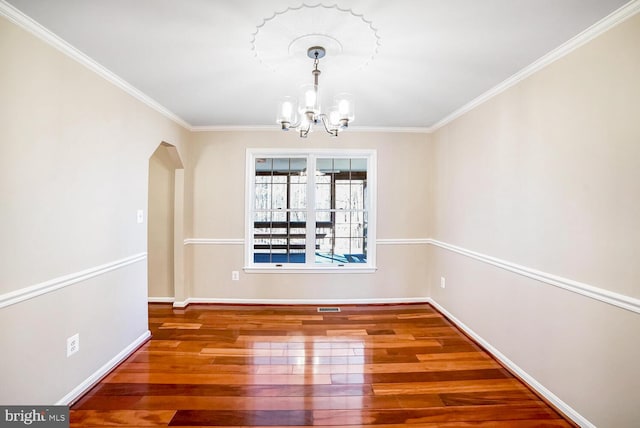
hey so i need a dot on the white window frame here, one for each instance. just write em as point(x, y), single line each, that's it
point(310, 266)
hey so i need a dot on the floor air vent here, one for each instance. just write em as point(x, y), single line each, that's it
point(328, 309)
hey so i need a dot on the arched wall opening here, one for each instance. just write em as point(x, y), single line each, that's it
point(164, 225)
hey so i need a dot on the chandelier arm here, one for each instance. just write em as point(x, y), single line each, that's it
point(305, 132)
point(325, 123)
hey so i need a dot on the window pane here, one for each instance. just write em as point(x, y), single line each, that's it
point(356, 195)
point(339, 210)
point(262, 196)
point(341, 229)
point(279, 216)
point(323, 196)
point(281, 164)
point(279, 229)
point(323, 216)
point(343, 195)
point(359, 165)
point(324, 166)
point(298, 195)
point(279, 196)
point(297, 166)
point(264, 164)
point(341, 165)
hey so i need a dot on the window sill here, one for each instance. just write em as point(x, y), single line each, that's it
point(309, 269)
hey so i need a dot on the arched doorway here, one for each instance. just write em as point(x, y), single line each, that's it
point(165, 225)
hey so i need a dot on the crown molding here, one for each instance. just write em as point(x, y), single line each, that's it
point(600, 27)
point(235, 128)
point(17, 17)
point(25, 22)
point(275, 128)
point(397, 129)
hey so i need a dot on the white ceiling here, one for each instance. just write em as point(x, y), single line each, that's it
point(430, 57)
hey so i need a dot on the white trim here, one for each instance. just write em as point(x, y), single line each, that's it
point(524, 376)
point(392, 129)
point(298, 268)
point(566, 48)
point(89, 382)
point(206, 241)
point(276, 128)
point(161, 299)
point(240, 241)
point(413, 241)
point(223, 301)
point(30, 292)
point(235, 128)
point(17, 17)
point(616, 299)
point(620, 300)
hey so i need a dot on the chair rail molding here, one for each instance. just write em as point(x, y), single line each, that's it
point(616, 299)
point(54, 284)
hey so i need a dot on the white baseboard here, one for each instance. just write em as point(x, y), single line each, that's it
point(88, 383)
point(524, 376)
point(214, 300)
point(161, 299)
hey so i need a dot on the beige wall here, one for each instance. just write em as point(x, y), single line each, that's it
point(218, 182)
point(547, 175)
point(74, 154)
point(544, 175)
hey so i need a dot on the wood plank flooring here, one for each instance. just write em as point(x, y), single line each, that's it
point(384, 366)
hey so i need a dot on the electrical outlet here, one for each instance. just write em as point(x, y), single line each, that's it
point(73, 344)
point(442, 282)
point(235, 275)
point(140, 216)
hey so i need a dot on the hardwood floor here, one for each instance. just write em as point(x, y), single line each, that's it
point(381, 366)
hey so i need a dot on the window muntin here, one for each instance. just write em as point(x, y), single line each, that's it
point(303, 220)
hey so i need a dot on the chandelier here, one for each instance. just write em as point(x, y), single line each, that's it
point(306, 112)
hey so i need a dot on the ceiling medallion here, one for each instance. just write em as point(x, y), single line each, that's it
point(281, 41)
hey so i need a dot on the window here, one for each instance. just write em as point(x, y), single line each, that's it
point(310, 210)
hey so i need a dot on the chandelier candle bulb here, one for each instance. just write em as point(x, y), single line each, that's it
point(287, 112)
point(309, 100)
point(345, 104)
